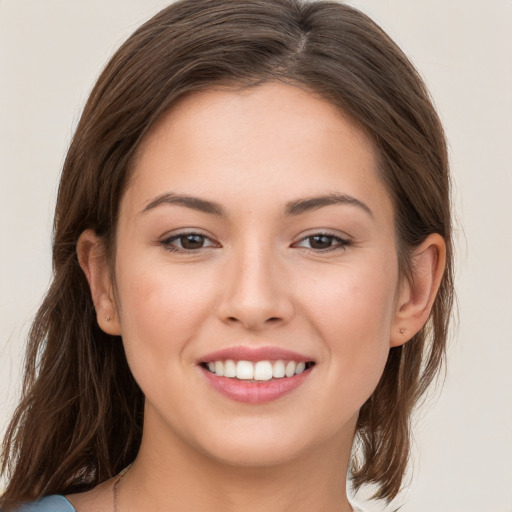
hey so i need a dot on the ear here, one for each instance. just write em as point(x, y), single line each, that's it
point(93, 260)
point(418, 291)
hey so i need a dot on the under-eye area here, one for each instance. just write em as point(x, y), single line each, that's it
point(259, 370)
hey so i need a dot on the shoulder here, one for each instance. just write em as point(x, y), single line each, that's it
point(54, 503)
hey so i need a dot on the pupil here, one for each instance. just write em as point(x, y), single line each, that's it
point(192, 242)
point(320, 242)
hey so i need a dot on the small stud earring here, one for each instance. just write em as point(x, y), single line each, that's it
point(401, 330)
point(107, 318)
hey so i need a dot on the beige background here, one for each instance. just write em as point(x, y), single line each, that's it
point(51, 51)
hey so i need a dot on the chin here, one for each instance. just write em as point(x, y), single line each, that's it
point(256, 453)
point(264, 444)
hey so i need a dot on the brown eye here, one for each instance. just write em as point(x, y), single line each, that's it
point(322, 242)
point(191, 242)
point(187, 242)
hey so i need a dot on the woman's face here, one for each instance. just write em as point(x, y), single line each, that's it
point(255, 228)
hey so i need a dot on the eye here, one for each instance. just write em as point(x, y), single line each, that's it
point(188, 242)
point(322, 242)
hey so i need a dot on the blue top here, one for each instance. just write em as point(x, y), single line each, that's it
point(54, 503)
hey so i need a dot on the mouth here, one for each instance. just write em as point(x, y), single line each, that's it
point(257, 371)
point(255, 375)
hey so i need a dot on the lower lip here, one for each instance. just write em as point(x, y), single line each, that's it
point(255, 392)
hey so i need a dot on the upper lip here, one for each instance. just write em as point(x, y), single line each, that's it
point(254, 354)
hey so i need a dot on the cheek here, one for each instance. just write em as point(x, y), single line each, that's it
point(160, 309)
point(352, 312)
point(354, 299)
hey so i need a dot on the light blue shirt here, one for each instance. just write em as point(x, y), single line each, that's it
point(54, 503)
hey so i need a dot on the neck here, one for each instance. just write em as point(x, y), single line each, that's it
point(170, 476)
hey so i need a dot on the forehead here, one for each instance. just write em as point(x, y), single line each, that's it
point(274, 139)
point(286, 111)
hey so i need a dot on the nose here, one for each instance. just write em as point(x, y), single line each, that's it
point(257, 293)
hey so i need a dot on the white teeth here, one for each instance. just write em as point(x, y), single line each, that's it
point(229, 368)
point(219, 368)
point(300, 368)
point(261, 370)
point(290, 368)
point(244, 370)
point(278, 370)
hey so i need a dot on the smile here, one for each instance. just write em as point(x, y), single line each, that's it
point(257, 371)
point(255, 375)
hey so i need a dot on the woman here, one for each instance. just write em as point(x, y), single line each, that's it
point(252, 270)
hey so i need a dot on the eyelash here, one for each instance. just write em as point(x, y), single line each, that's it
point(167, 243)
point(340, 243)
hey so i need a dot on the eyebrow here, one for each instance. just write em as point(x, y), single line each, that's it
point(314, 203)
point(296, 207)
point(195, 203)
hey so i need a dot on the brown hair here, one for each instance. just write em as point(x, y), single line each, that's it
point(80, 418)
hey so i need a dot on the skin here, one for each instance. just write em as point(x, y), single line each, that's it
point(258, 280)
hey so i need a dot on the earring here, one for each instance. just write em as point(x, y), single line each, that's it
point(107, 318)
point(401, 330)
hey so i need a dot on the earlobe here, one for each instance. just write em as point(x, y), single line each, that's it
point(93, 261)
point(418, 291)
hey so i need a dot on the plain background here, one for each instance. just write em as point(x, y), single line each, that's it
point(52, 51)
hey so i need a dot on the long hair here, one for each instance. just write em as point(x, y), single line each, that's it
point(80, 418)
